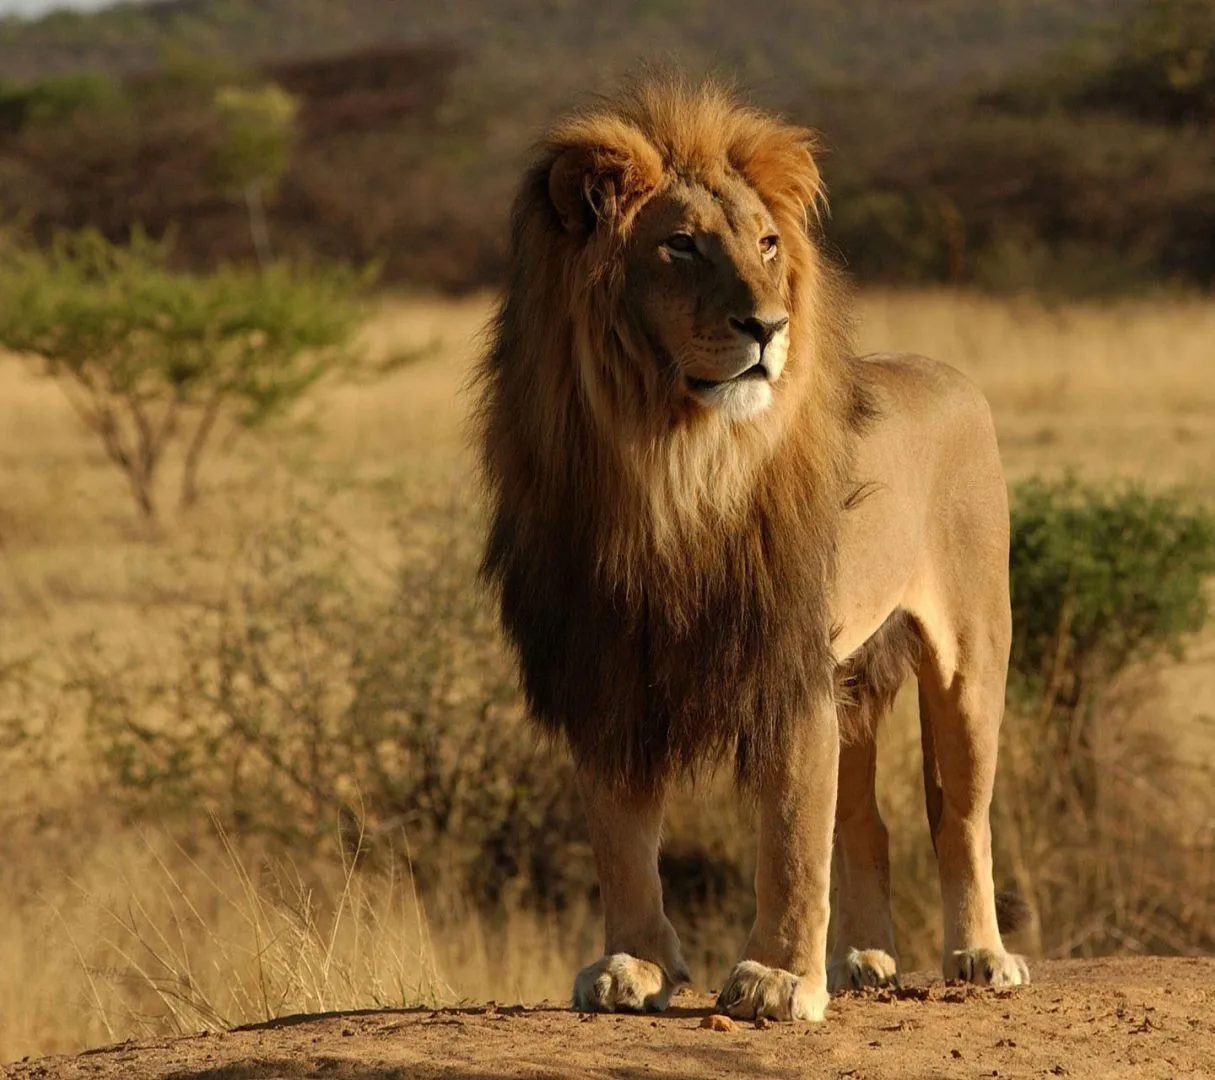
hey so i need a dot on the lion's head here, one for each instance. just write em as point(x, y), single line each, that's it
point(682, 221)
point(666, 421)
point(694, 222)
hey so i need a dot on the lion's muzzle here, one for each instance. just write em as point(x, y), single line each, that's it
point(743, 386)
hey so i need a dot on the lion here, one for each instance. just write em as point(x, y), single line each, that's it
point(715, 535)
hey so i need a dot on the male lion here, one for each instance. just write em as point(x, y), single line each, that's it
point(716, 534)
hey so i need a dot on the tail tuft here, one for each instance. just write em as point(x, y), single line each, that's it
point(1012, 913)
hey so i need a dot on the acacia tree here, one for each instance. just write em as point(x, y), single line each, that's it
point(151, 358)
point(257, 130)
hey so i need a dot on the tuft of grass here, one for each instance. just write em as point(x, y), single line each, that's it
point(193, 947)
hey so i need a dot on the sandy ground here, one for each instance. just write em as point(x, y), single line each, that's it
point(1121, 1017)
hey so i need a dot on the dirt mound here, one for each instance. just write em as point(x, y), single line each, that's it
point(1101, 1018)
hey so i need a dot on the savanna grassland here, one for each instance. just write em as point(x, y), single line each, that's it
point(152, 887)
point(262, 751)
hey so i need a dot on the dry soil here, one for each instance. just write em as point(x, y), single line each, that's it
point(1121, 1017)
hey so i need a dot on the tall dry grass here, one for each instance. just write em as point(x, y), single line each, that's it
point(137, 936)
point(115, 922)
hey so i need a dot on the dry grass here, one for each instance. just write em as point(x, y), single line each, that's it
point(136, 936)
point(88, 901)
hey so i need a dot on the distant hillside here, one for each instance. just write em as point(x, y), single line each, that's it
point(968, 141)
point(551, 44)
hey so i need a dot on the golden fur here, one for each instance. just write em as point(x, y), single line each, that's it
point(715, 535)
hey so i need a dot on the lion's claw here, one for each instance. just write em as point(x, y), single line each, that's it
point(860, 968)
point(754, 991)
point(622, 983)
point(986, 967)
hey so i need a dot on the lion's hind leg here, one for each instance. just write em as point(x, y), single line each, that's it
point(961, 703)
point(864, 953)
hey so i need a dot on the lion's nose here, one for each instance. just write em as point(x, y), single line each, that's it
point(761, 330)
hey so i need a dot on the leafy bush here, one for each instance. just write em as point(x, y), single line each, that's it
point(54, 101)
point(1100, 579)
point(1162, 69)
point(151, 358)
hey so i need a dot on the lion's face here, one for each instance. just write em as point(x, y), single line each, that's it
point(677, 230)
point(706, 280)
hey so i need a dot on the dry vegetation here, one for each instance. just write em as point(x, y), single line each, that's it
point(119, 916)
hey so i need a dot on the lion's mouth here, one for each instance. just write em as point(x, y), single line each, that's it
point(755, 371)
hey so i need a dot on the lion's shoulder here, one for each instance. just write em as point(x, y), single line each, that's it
point(917, 386)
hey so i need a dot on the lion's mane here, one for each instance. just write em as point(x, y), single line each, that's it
point(664, 579)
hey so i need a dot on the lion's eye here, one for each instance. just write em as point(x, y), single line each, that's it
point(681, 244)
point(768, 246)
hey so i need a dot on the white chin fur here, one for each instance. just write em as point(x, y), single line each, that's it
point(744, 398)
point(739, 400)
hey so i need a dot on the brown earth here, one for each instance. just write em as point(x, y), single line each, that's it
point(1121, 1017)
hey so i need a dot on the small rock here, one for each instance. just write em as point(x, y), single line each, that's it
point(763, 1023)
point(717, 1022)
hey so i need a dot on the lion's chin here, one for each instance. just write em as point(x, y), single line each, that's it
point(738, 399)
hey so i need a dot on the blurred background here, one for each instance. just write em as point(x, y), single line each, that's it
point(1061, 144)
point(261, 746)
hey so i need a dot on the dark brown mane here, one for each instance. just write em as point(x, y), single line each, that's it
point(666, 587)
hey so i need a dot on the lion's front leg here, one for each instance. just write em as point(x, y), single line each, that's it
point(642, 965)
point(783, 975)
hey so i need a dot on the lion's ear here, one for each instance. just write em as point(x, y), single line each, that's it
point(781, 165)
point(593, 184)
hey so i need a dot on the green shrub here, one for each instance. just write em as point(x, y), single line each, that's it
point(54, 101)
point(151, 358)
point(1165, 66)
point(896, 235)
point(1101, 578)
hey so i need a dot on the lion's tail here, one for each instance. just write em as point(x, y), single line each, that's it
point(1012, 912)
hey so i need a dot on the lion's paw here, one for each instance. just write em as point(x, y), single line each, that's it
point(861, 968)
point(753, 991)
point(986, 967)
point(622, 983)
